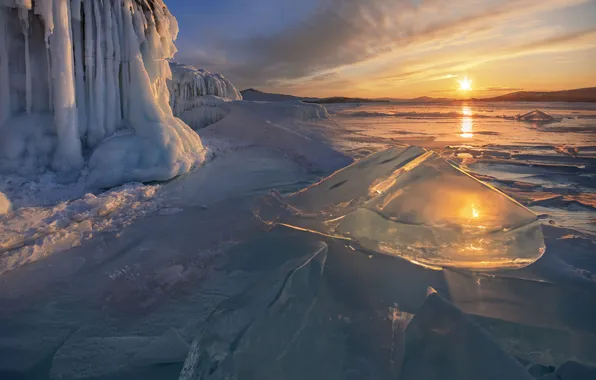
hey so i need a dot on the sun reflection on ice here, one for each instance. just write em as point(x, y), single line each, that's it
point(475, 213)
point(467, 123)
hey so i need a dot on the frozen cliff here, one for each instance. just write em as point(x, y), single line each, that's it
point(189, 84)
point(85, 82)
point(198, 97)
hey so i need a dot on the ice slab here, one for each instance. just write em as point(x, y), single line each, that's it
point(409, 202)
point(248, 334)
point(443, 343)
point(536, 115)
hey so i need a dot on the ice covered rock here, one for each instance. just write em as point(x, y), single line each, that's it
point(443, 343)
point(411, 203)
point(199, 97)
point(5, 205)
point(81, 71)
point(188, 85)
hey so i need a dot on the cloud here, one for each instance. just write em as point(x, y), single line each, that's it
point(340, 34)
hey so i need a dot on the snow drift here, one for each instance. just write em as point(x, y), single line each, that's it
point(85, 78)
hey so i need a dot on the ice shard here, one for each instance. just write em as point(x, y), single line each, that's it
point(444, 343)
point(411, 203)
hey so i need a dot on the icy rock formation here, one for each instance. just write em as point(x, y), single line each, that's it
point(199, 97)
point(189, 84)
point(75, 72)
point(5, 205)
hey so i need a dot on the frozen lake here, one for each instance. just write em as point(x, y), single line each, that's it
point(189, 262)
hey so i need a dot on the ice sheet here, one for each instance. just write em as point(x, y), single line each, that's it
point(409, 202)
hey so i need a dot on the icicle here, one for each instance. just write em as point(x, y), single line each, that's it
point(4, 71)
point(100, 79)
point(117, 61)
point(75, 8)
point(24, 17)
point(89, 72)
point(126, 56)
point(50, 79)
point(77, 36)
point(116, 77)
point(111, 84)
point(24, 4)
point(45, 10)
point(68, 155)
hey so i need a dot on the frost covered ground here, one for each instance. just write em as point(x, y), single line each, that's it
point(126, 279)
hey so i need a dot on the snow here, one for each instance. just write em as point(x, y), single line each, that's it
point(32, 233)
point(65, 99)
point(41, 225)
point(5, 205)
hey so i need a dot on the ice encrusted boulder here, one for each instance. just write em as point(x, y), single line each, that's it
point(88, 79)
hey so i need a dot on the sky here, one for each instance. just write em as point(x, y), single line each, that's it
point(391, 48)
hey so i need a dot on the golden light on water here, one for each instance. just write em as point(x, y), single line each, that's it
point(467, 123)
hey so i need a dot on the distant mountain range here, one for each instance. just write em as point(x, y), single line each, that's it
point(256, 95)
point(577, 95)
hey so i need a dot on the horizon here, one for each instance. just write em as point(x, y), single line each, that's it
point(404, 49)
point(425, 96)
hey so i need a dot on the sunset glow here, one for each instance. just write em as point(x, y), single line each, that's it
point(465, 84)
point(333, 48)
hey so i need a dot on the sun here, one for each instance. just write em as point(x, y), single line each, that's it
point(465, 84)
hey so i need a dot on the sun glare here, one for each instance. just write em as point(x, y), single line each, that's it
point(465, 84)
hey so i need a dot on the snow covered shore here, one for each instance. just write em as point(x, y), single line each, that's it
point(51, 218)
